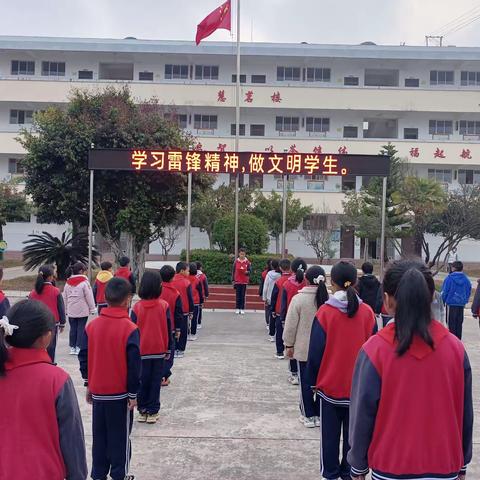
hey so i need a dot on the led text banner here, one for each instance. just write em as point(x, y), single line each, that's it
point(265, 163)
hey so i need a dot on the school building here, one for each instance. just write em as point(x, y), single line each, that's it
point(294, 97)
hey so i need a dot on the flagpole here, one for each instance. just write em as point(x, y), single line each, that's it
point(237, 127)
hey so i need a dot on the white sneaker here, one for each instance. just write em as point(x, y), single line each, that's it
point(237, 312)
point(272, 338)
point(242, 312)
point(293, 379)
point(317, 421)
point(268, 328)
point(199, 326)
point(280, 356)
point(73, 351)
point(192, 338)
point(77, 350)
point(180, 354)
point(309, 422)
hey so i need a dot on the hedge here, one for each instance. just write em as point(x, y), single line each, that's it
point(218, 265)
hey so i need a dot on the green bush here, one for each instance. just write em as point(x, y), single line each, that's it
point(252, 234)
point(218, 265)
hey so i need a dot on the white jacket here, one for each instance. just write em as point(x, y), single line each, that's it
point(268, 285)
point(78, 297)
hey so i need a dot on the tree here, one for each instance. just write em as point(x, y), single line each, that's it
point(57, 178)
point(270, 210)
point(45, 248)
point(363, 209)
point(252, 234)
point(13, 204)
point(169, 237)
point(422, 201)
point(215, 203)
point(318, 234)
point(459, 221)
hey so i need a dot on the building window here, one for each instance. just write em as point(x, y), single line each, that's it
point(207, 72)
point(469, 177)
point(318, 74)
point(351, 81)
point(290, 184)
point(85, 75)
point(53, 69)
point(255, 180)
point(259, 79)
point(412, 82)
point(440, 127)
point(315, 221)
point(288, 74)
point(442, 77)
point(15, 167)
point(287, 124)
point(243, 78)
point(348, 183)
point(257, 130)
point(410, 133)
point(469, 127)
point(205, 122)
point(440, 175)
point(21, 117)
point(233, 129)
point(350, 132)
point(379, 77)
point(145, 76)
point(318, 125)
point(470, 78)
point(23, 67)
point(174, 72)
point(179, 119)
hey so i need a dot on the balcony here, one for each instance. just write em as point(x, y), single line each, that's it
point(298, 97)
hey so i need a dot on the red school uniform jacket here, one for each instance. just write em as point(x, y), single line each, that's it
point(126, 273)
point(41, 437)
point(110, 359)
point(100, 285)
point(172, 297)
point(412, 415)
point(276, 299)
point(197, 290)
point(184, 288)
point(52, 298)
point(204, 283)
point(241, 271)
point(290, 288)
point(154, 323)
point(335, 342)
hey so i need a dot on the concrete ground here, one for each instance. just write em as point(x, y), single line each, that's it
point(229, 413)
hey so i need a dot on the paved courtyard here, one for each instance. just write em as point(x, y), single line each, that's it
point(230, 413)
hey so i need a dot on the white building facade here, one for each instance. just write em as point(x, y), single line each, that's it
point(333, 98)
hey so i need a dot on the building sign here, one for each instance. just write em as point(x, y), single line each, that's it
point(267, 163)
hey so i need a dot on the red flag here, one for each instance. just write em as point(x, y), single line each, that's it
point(221, 17)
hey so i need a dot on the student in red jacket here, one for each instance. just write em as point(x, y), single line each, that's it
point(276, 307)
point(172, 297)
point(110, 365)
point(242, 269)
point(290, 288)
point(104, 275)
point(411, 407)
point(341, 326)
point(4, 303)
point(152, 316)
point(41, 430)
point(50, 295)
point(125, 272)
point(197, 292)
point(202, 277)
point(182, 284)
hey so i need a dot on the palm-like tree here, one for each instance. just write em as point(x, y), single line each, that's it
point(45, 248)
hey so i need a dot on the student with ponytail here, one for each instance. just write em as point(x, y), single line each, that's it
point(298, 326)
point(46, 292)
point(291, 287)
point(341, 326)
point(412, 387)
point(42, 436)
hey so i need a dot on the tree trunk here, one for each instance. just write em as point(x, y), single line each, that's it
point(418, 244)
point(210, 240)
point(137, 254)
point(365, 249)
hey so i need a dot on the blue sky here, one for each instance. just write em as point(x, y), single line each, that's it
point(313, 21)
